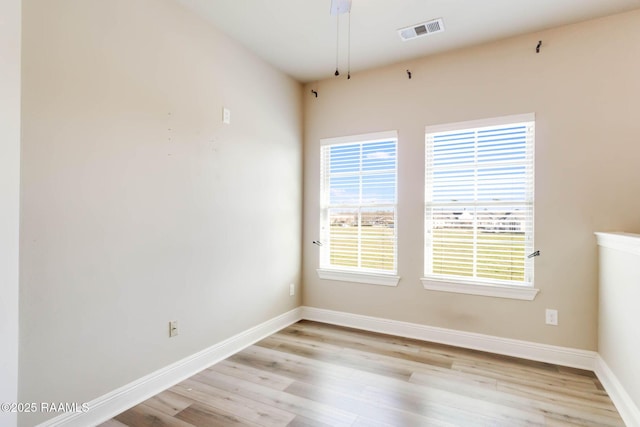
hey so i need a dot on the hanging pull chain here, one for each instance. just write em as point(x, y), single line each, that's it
point(349, 48)
point(337, 73)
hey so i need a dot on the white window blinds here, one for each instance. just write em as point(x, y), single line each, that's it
point(358, 205)
point(479, 194)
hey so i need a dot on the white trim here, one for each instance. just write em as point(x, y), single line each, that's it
point(442, 194)
point(358, 277)
point(105, 407)
point(499, 291)
point(496, 121)
point(628, 410)
point(117, 401)
point(365, 137)
point(564, 356)
point(626, 242)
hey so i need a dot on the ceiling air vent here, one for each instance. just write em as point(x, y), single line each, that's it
point(423, 29)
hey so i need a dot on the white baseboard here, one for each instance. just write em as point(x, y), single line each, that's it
point(117, 401)
point(564, 356)
point(628, 410)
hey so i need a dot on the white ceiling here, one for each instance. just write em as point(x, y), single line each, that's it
point(299, 36)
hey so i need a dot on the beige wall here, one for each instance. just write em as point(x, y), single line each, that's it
point(583, 87)
point(138, 205)
point(9, 200)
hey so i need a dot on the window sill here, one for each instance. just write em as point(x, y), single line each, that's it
point(358, 277)
point(499, 291)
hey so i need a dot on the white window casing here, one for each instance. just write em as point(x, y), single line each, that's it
point(358, 209)
point(479, 206)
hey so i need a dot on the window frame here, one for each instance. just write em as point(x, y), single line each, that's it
point(475, 285)
point(356, 274)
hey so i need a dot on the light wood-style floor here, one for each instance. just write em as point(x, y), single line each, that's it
point(313, 374)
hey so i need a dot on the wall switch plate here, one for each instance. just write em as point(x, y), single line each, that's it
point(292, 290)
point(226, 116)
point(551, 317)
point(173, 328)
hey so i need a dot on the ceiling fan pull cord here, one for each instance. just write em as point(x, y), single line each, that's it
point(349, 48)
point(337, 73)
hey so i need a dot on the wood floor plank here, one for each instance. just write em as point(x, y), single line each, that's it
point(453, 408)
point(352, 359)
point(231, 403)
point(360, 405)
point(112, 423)
point(505, 374)
point(359, 378)
point(345, 338)
point(146, 416)
point(288, 402)
point(452, 380)
point(168, 402)
point(205, 416)
point(258, 376)
point(550, 422)
point(355, 359)
point(368, 422)
point(301, 421)
point(294, 366)
point(378, 363)
point(559, 395)
point(316, 375)
point(366, 346)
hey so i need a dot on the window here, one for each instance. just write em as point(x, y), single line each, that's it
point(358, 209)
point(479, 188)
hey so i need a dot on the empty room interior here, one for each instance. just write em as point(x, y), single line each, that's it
point(420, 202)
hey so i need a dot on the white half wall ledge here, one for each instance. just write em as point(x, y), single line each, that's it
point(617, 335)
point(626, 242)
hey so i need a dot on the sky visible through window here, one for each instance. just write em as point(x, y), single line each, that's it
point(466, 167)
point(483, 165)
point(363, 173)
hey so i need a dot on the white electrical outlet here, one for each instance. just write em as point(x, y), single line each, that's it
point(551, 317)
point(173, 328)
point(226, 116)
point(292, 290)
